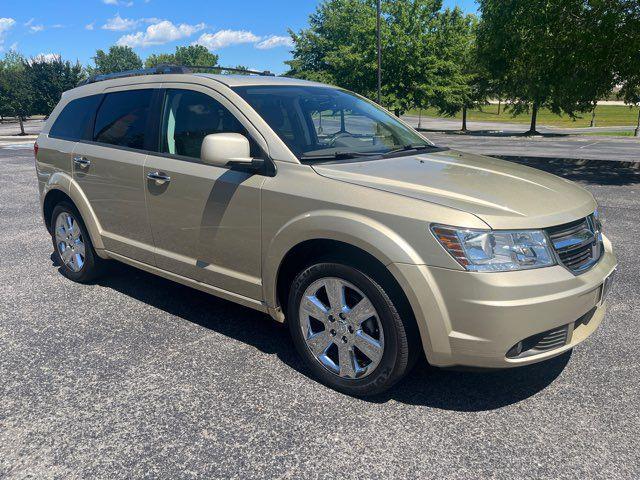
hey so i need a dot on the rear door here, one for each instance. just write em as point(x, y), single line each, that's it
point(205, 219)
point(109, 169)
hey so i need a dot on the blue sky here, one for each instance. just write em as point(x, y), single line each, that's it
point(248, 32)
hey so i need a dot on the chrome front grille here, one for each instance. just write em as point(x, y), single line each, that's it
point(578, 244)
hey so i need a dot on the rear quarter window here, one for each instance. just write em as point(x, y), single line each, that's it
point(122, 118)
point(74, 121)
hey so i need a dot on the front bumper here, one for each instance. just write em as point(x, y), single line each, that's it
point(473, 319)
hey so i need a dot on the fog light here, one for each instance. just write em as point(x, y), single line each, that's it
point(515, 350)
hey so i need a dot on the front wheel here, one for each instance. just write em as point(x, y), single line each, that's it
point(348, 330)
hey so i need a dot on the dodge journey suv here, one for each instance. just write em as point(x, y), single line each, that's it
point(318, 207)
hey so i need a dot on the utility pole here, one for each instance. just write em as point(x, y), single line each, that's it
point(378, 13)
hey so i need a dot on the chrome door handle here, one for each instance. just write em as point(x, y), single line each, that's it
point(81, 161)
point(160, 178)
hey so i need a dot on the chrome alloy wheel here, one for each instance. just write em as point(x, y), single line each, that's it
point(69, 241)
point(341, 328)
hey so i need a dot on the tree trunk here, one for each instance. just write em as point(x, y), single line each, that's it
point(21, 120)
point(637, 132)
point(419, 118)
point(464, 118)
point(534, 119)
point(499, 103)
point(593, 117)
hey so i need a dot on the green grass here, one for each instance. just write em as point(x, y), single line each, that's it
point(606, 116)
point(617, 133)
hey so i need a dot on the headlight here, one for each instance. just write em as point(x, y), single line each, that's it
point(495, 250)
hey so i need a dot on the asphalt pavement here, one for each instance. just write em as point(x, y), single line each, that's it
point(508, 139)
point(138, 377)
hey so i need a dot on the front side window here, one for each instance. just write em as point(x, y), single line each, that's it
point(325, 122)
point(72, 122)
point(122, 118)
point(189, 116)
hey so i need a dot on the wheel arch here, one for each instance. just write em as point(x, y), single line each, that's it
point(68, 190)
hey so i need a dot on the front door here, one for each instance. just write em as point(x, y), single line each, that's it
point(109, 170)
point(205, 219)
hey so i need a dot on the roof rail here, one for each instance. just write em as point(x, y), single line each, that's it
point(165, 69)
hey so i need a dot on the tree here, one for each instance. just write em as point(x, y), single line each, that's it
point(468, 83)
point(628, 55)
point(191, 55)
point(118, 59)
point(16, 98)
point(339, 47)
point(154, 60)
point(548, 54)
point(48, 79)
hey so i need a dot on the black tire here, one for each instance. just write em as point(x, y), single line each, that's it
point(400, 342)
point(93, 265)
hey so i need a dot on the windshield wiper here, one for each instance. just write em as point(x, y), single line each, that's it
point(339, 155)
point(409, 147)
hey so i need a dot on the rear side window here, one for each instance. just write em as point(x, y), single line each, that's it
point(122, 118)
point(73, 121)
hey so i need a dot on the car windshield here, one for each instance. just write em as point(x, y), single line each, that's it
point(324, 123)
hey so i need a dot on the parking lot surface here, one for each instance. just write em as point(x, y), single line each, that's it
point(138, 377)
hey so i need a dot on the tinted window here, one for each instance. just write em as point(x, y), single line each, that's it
point(189, 117)
point(72, 123)
point(122, 118)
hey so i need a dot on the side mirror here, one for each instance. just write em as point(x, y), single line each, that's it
point(220, 149)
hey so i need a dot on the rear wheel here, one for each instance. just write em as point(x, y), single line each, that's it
point(348, 330)
point(72, 245)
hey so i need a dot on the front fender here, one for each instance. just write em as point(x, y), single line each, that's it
point(347, 227)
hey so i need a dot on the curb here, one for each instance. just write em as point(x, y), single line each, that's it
point(18, 139)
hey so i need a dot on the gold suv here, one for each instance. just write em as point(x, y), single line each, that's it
point(316, 206)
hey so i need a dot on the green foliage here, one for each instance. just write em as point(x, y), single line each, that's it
point(118, 59)
point(628, 51)
point(48, 79)
point(421, 51)
point(15, 90)
point(549, 53)
point(339, 46)
point(195, 55)
point(154, 60)
point(191, 55)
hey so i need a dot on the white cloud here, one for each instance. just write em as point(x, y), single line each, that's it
point(14, 47)
point(159, 34)
point(6, 24)
point(32, 27)
point(274, 41)
point(119, 24)
point(225, 38)
point(118, 3)
point(90, 26)
point(46, 58)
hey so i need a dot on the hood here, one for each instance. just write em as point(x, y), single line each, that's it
point(503, 194)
